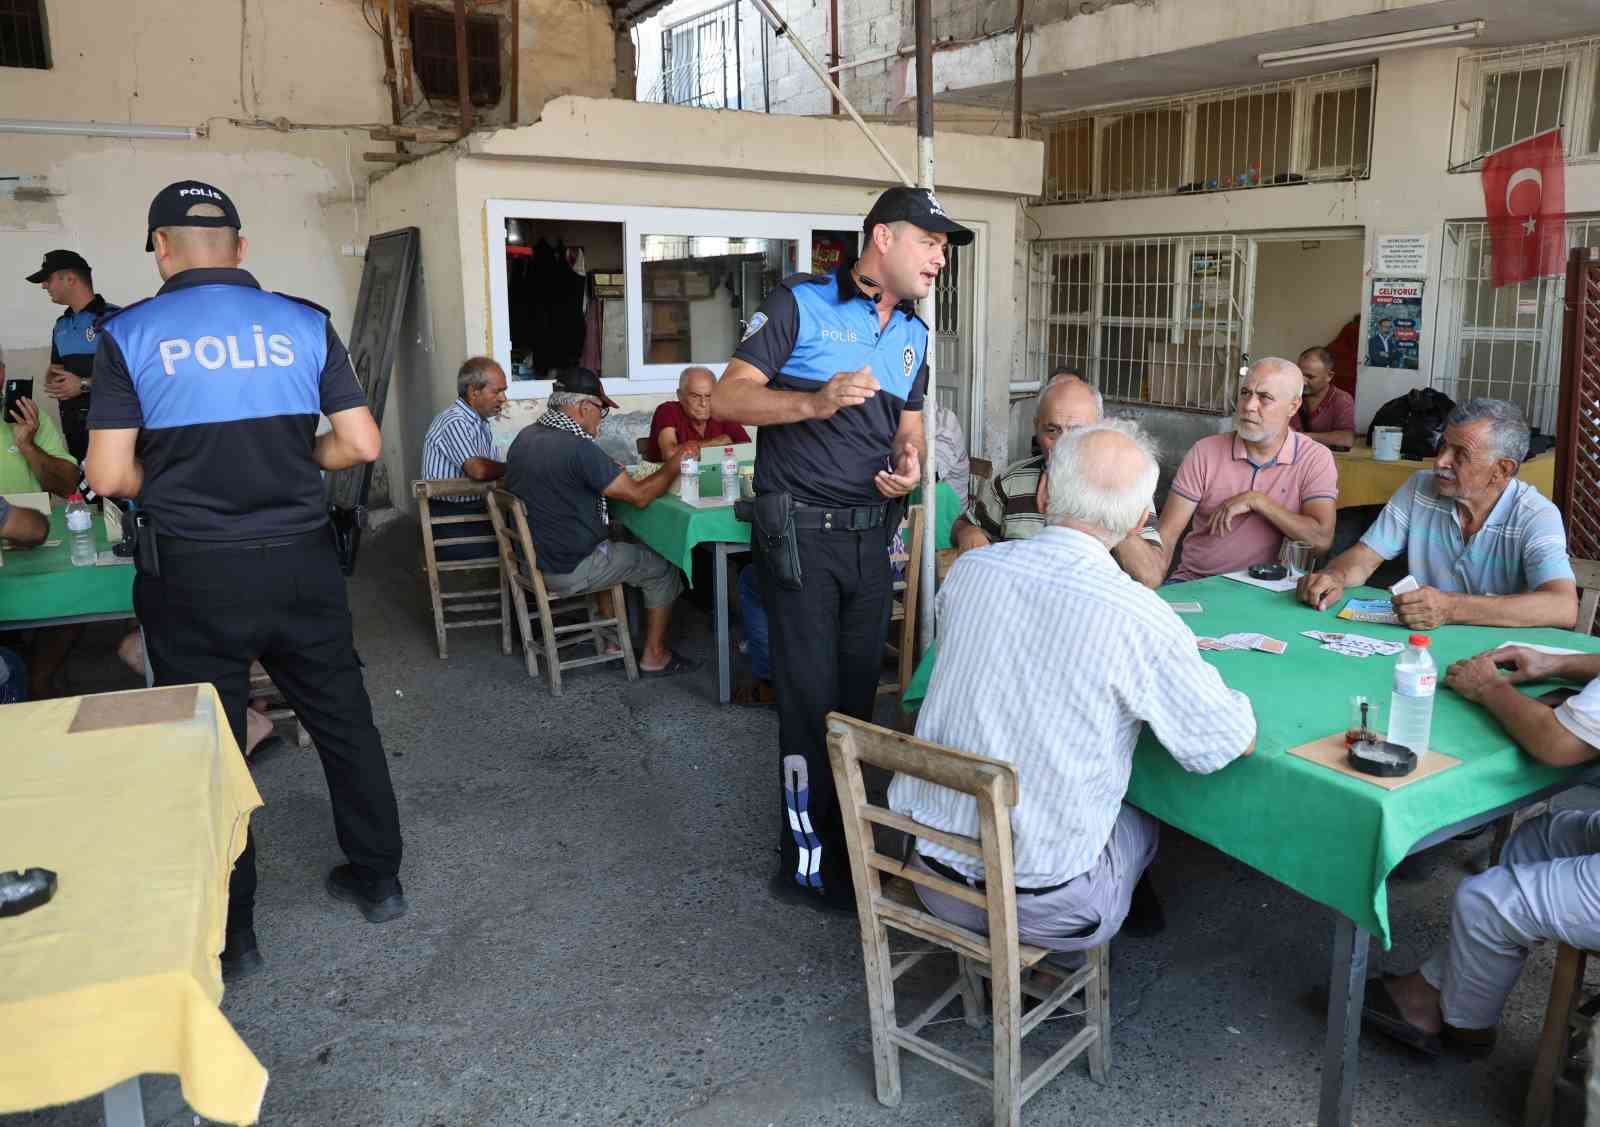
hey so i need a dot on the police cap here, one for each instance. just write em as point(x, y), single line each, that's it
point(171, 207)
point(59, 260)
point(918, 206)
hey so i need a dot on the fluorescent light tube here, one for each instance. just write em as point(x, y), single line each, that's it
point(99, 129)
point(1374, 44)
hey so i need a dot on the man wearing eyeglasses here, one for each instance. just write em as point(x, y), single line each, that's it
point(564, 478)
point(1247, 490)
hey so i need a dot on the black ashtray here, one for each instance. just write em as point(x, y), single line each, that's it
point(1268, 571)
point(1382, 758)
point(25, 890)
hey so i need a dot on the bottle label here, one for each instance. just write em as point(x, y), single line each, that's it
point(1415, 682)
point(79, 522)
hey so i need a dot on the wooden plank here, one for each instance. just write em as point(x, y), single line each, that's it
point(931, 928)
point(389, 158)
point(934, 1008)
point(944, 885)
point(420, 134)
point(940, 1056)
point(916, 829)
point(1046, 1072)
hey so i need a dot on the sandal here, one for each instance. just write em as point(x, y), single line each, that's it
point(676, 663)
point(1379, 1012)
point(755, 694)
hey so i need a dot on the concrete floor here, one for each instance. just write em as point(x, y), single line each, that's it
point(591, 940)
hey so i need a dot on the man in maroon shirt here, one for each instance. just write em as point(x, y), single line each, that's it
point(689, 417)
point(1327, 412)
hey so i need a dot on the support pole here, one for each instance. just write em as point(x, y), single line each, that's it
point(463, 79)
point(1016, 86)
point(929, 312)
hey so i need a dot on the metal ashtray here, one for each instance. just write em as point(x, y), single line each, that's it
point(1382, 758)
point(25, 890)
point(1268, 571)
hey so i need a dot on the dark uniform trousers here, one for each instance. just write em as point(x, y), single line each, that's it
point(213, 610)
point(827, 655)
point(75, 426)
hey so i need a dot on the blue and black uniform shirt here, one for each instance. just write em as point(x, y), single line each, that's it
point(75, 337)
point(225, 383)
point(812, 327)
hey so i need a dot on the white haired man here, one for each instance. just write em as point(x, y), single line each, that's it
point(1009, 507)
point(1053, 619)
point(1487, 548)
point(688, 418)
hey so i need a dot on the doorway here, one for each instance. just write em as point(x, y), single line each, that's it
point(1307, 295)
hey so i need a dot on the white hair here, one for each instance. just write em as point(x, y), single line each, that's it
point(1079, 492)
point(683, 376)
point(1508, 428)
point(561, 400)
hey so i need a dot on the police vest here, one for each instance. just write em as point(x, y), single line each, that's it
point(75, 336)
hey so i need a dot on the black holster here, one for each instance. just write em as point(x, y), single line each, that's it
point(772, 535)
point(146, 554)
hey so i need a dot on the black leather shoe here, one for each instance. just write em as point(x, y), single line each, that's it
point(240, 956)
point(379, 901)
point(1146, 917)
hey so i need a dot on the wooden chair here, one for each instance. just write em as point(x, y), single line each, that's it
point(277, 710)
point(1561, 1019)
point(447, 607)
point(980, 467)
point(521, 568)
point(997, 956)
point(642, 445)
point(901, 649)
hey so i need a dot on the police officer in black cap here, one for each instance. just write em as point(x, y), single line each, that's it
point(67, 279)
point(833, 370)
point(206, 407)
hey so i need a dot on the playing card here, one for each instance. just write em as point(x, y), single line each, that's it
point(1271, 646)
point(1185, 608)
point(1242, 641)
point(1405, 586)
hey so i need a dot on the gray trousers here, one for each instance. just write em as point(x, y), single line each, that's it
point(1547, 886)
point(1083, 913)
point(614, 561)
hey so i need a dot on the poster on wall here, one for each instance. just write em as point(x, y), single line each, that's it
point(1394, 323)
point(1401, 254)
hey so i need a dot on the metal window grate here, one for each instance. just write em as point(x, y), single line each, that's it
point(23, 42)
point(717, 60)
point(1286, 132)
point(1150, 321)
point(1509, 95)
point(433, 52)
point(1502, 343)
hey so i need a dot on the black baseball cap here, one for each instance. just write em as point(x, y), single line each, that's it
point(919, 206)
point(581, 381)
point(171, 207)
point(59, 260)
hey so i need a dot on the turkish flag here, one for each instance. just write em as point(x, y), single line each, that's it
point(1525, 198)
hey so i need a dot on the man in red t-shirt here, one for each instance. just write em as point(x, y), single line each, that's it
point(689, 417)
point(1327, 412)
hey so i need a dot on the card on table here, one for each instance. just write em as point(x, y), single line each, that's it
point(1370, 610)
point(1185, 608)
point(1405, 586)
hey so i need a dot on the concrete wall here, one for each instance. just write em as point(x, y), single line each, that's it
point(1304, 295)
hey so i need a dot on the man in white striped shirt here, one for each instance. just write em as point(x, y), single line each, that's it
point(458, 443)
point(1051, 658)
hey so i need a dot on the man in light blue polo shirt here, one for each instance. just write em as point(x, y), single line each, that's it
point(1486, 548)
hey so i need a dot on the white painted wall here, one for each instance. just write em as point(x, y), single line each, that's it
point(1304, 296)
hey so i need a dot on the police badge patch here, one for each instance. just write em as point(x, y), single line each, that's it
point(753, 327)
point(909, 359)
point(88, 334)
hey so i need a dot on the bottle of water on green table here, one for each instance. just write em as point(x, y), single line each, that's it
point(689, 480)
point(1411, 702)
point(80, 527)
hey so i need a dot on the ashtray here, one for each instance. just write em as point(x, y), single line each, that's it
point(1382, 758)
point(25, 890)
point(1268, 571)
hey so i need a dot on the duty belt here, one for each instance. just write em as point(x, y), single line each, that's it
point(177, 546)
point(858, 519)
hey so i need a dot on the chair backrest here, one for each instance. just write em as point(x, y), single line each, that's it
point(642, 445)
point(517, 556)
point(1588, 574)
point(450, 487)
point(991, 784)
point(980, 467)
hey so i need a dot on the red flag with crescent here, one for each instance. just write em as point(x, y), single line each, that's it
point(1525, 198)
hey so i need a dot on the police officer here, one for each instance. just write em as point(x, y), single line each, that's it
point(206, 407)
point(66, 277)
point(833, 370)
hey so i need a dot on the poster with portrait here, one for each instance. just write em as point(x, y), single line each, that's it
point(1394, 324)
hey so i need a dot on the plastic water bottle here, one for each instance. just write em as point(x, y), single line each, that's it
point(80, 525)
point(730, 475)
point(1411, 702)
point(689, 479)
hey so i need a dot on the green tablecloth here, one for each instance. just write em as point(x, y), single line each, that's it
point(41, 582)
point(1329, 837)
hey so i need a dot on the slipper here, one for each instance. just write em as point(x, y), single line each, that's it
point(676, 663)
point(1379, 1012)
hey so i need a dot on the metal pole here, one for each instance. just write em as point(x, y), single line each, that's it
point(463, 84)
point(1016, 88)
point(833, 47)
point(929, 311)
point(765, 10)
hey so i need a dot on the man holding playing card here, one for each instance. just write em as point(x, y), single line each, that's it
point(1483, 548)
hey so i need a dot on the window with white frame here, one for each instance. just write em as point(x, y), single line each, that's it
point(1506, 96)
point(1286, 132)
point(687, 282)
point(1150, 321)
point(1502, 343)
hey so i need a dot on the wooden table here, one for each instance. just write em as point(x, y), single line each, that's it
point(1365, 481)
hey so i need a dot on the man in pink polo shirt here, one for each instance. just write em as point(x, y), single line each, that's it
point(1248, 490)
point(1327, 413)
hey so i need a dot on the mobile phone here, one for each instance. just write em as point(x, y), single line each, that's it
point(15, 389)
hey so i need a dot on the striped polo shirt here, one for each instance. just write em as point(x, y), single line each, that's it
point(1521, 546)
point(1007, 508)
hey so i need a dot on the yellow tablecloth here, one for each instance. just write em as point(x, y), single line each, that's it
point(1364, 481)
point(118, 975)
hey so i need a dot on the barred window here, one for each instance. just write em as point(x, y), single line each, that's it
point(433, 52)
point(1507, 96)
point(23, 40)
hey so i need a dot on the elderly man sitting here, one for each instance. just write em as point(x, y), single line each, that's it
point(458, 443)
point(1010, 507)
point(1487, 548)
point(1546, 887)
point(688, 419)
point(564, 478)
point(1052, 659)
point(1248, 490)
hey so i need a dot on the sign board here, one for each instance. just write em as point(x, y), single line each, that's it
point(1401, 254)
point(1394, 323)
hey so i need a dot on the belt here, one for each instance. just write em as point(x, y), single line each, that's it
point(858, 519)
point(946, 871)
point(177, 546)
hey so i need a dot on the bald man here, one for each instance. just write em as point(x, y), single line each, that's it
point(1104, 652)
point(1246, 491)
point(688, 418)
point(1009, 507)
